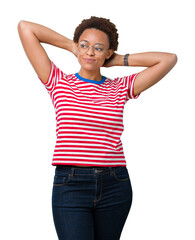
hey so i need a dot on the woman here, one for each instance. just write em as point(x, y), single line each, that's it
point(92, 192)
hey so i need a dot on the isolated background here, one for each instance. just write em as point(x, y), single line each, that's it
point(158, 139)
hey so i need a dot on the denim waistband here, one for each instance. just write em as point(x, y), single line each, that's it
point(88, 169)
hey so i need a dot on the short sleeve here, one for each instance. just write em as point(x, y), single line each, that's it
point(128, 82)
point(54, 76)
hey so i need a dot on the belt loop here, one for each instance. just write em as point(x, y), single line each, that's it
point(111, 171)
point(72, 172)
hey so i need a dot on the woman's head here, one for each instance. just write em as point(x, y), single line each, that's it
point(96, 39)
point(101, 24)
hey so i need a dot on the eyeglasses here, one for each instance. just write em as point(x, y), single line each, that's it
point(98, 49)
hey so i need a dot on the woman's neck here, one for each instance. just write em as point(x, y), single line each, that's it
point(92, 75)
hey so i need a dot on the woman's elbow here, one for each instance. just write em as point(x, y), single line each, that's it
point(21, 25)
point(173, 58)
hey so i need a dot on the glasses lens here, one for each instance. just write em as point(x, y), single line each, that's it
point(99, 50)
point(84, 47)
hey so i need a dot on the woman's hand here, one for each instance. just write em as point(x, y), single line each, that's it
point(74, 49)
point(114, 60)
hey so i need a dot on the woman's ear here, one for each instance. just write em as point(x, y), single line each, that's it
point(110, 53)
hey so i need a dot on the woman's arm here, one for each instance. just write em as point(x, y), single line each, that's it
point(158, 65)
point(32, 35)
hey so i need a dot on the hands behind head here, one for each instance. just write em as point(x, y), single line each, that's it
point(112, 61)
point(74, 49)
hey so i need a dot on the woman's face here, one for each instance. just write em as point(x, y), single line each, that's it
point(93, 49)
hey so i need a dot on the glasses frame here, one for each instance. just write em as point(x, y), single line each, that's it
point(93, 46)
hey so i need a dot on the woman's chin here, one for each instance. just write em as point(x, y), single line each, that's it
point(90, 68)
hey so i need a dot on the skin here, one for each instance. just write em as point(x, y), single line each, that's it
point(91, 70)
point(157, 64)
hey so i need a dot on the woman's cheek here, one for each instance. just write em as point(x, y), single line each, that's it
point(97, 64)
point(101, 62)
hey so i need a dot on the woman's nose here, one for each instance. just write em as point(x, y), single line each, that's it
point(90, 51)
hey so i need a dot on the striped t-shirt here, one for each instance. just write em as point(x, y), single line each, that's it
point(89, 118)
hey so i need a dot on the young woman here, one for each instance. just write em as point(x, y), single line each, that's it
point(92, 192)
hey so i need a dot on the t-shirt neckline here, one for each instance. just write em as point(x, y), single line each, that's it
point(89, 80)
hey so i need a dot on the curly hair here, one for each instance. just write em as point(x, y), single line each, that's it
point(101, 24)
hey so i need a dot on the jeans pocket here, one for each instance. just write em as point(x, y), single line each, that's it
point(121, 174)
point(61, 178)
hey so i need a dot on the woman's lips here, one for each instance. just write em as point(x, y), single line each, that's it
point(89, 60)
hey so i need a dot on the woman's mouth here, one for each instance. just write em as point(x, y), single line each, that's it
point(89, 60)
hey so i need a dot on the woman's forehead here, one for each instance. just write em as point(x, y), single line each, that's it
point(94, 36)
point(86, 42)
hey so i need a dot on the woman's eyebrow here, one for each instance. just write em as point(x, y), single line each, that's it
point(95, 44)
point(99, 44)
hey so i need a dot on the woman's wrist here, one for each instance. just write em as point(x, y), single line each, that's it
point(125, 59)
point(118, 60)
point(122, 60)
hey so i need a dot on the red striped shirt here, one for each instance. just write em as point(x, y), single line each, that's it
point(89, 118)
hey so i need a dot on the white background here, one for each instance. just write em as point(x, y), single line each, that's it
point(158, 139)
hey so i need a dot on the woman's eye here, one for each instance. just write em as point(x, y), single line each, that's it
point(83, 46)
point(99, 49)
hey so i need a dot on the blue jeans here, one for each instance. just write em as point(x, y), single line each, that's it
point(90, 203)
